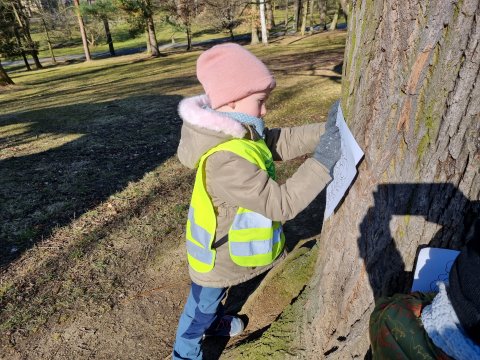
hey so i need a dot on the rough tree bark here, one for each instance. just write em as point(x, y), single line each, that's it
point(410, 95)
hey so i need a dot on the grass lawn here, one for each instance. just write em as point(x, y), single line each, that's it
point(93, 201)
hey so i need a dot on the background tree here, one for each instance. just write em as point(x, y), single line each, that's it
point(255, 20)
point(270, 7)
point(297, 8)
point(322, 9)
point(181, 14)
point(263, 22)
point(22, 31)
point(225, 14)
point(336, 13)
point(345, 5)
point(7, 39)
point(101, 10)
point(81, 26)
point(305, 11)
point(285, 22)
point(141, 15)
point(410, 94)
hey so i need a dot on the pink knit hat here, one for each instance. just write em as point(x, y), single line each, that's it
point(229, 72)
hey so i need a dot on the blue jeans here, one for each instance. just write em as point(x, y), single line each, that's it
point(202, 310)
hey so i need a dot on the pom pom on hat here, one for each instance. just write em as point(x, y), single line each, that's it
point(229, 72)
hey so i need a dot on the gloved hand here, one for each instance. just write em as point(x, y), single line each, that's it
point(328, 149)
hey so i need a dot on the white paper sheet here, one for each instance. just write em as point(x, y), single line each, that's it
point(433, 264)
point(345, 169)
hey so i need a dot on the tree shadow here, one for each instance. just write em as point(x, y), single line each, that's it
point(66, 160)
point(439, 203)
point(298, 64)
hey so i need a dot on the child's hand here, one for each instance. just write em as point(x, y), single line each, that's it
point(328, 149)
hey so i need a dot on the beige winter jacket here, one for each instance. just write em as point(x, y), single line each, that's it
point(233, 181)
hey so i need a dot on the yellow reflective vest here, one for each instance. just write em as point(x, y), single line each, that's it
point(253, 239)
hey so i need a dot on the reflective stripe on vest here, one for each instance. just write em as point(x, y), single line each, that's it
point(254, 240)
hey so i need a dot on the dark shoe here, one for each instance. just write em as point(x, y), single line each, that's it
point(227, 326)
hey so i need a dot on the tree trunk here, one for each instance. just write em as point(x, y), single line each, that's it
point(254, 40)
point(24, 25)
point(270, 18)
point(286, 16)
point(49, 42)
point(152, 38)
point(304, 17)
point(345, 4)
point(263, 23)
point(82, 31)
point(410, 95)
point(4, 78)
point(312, 23)
point(19, 43)
point(296, 14)
point(108, 35)
point(333, 24)
point(322, 7)
point(147, 37)
point(189, 38)
point(36, 60)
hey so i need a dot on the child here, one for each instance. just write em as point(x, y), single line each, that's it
point(234, 230)
point(441, 326)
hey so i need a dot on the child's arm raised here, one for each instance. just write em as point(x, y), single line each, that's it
point(288, 143)
point(237, 182)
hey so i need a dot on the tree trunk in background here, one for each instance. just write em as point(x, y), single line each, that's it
point(108, 35)
point(304, 17)
point(263, 22)
point(49, 42)
point(345, 4)
point(19, 43)
point(152, 38)
point(4, 78)
point(296, 14)
point(254, 40)
point(410, 96)
point(82, 31)
point(322, 8)
point(286, 16)
point(189, 37)
point(147, 37)
point(312, 23)
point(270, 17)
point(333, 24)
point(23, 22)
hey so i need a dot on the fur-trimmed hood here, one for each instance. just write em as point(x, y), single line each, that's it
point(203, 129)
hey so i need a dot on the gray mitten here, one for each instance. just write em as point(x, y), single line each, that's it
point(328, 149)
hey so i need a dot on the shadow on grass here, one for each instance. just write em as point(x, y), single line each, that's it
point(113, 143)
point(304, 62)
